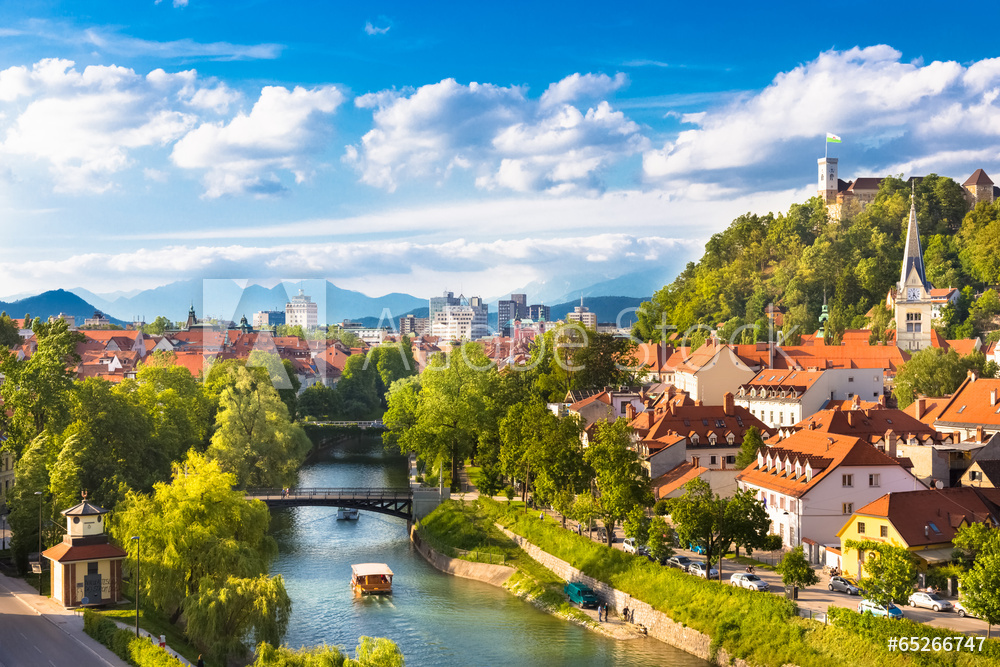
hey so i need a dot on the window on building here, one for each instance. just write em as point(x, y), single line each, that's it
point(883, 531)
point(772, 416)
point(873, 480)
point(730, 460)
point(92, 568)
point(781, 503)
point(791, 535)
point(772, 500)
point(861, 527)
point(850, 379)
point(781, 417)
point(847, 480)
point(713, 460)
point(847, 508)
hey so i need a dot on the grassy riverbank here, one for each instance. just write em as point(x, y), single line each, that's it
point(763, 629)
point(461, 526)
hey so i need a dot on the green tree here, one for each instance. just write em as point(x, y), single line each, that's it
point(36, 391)
point(320, 402)
point(752, 443)
point(889, 571)
point(931, 372)
point(981, 586)
point(254, 439)
point(704, 518)
point(205, 532)
point(32, 473)
point(795, 569)
point(360, 388)
point(976, 538)
point(636, 525)
point(9, 332)
point(158, 326)
point(370, 652)
point(661, 539)
point(238, 613)
point(618, 476)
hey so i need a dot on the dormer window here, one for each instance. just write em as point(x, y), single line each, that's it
point(711, 439)
point(809, 473)
point(730, 438)
point(798, 469)
point(788, 467)
point(760, 461)
point(694, 439)
point(770, 462)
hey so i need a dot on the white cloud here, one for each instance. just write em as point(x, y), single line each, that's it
point(901, 113)
point(506, 139)
point(373, 30)
point(125, 45)
point(244, 155)
point(84, 125)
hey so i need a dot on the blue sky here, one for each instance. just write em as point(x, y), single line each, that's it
point(477, 147)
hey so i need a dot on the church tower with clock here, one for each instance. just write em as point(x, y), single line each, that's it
point(913, 298)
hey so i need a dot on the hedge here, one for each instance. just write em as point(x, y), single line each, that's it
point(136, 651)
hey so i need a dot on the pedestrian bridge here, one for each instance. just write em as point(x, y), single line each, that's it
point(391, 501)
point(373, 423)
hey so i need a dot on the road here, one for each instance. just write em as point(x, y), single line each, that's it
point(29, 640)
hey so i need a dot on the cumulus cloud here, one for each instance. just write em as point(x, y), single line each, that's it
point(506, 139)
point(894, 115)
point(245, 154)
point(374, 30)
point(84, 125)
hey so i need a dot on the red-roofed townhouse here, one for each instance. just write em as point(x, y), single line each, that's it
point(710, 372)
point(784, 397)
point(86, 568)
point(812, 482)
point(923, 522)
point(975, 405)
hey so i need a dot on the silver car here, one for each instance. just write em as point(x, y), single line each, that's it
point(702, 569)
point(930, 601)
point(751, 581)
point(844, 585)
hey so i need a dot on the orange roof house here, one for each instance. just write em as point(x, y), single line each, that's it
point(811, 483)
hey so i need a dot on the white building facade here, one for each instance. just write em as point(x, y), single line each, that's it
point(302, 311)
point(785, 397)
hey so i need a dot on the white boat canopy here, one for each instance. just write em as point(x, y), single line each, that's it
point(370, 569)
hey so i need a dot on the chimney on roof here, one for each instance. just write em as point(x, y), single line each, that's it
point(697, 403)
point(973, 375)
point(829, 441)
point(694, 461)
point(856, 403)
point(728, 404)
point(629, 411)
point(921, 406)
point(811, 426)
point(956, 437)
point(890, 443)
point(881, 400)
point(927, 530)
point(979, 431)
point(852, 418)
point(993, 397)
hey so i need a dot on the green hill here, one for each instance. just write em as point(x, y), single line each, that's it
point(794, 259)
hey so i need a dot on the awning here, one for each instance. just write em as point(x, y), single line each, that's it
point(940, 555)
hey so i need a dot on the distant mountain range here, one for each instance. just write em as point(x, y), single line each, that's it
point(53, 303)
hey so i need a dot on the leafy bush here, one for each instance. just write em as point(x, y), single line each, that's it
point(136, 651)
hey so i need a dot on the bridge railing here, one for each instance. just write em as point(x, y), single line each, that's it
point(357, 493)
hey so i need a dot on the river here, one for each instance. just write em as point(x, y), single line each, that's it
point(436, 619)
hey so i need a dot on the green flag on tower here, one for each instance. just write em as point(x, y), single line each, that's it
point(832, 138)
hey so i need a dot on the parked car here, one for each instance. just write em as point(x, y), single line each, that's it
point(844, 585)
point(628, 545)
point(929, 601)
point(581, 594)
point(868, 607)
point(697, 548)
point(702, 569)
point(680, 562)
point(961, 610)
point(644, 551)
point(751, 581)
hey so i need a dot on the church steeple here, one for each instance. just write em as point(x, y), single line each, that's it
point(913, 258)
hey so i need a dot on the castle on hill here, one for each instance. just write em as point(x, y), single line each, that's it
point(844, 198)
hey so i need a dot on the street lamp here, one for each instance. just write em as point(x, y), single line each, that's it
point(137, 561)
point(39, 494)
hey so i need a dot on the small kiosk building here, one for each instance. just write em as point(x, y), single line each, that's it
point(86, 568)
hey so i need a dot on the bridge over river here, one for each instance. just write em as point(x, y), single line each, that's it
point(391, 501)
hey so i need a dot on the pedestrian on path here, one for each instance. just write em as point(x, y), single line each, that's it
point(625, 614)
point(201, 663)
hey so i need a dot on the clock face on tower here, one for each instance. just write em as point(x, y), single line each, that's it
point(913, 294)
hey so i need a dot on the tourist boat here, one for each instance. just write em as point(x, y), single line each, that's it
point(367, 578)
point(348, 513)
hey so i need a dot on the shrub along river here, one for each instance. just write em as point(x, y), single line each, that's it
point(435, 619)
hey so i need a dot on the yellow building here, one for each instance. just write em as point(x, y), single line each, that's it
point(86, 568)
point(923, 522)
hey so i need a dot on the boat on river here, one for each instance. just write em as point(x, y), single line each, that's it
point(368, 578)
point(347, 513)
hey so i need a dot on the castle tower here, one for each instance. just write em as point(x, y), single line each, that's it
point(827, 185)
point(979, 187)
point(913, 299)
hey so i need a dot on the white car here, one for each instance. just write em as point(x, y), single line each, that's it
point(929, 601)
point(961, 610)
point(628, 545)
point(751, 581)
point(702, 569)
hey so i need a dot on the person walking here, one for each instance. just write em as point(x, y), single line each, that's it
point(201, 663)
point(625, 614)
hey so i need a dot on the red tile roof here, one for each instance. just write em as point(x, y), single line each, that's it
point(825, 452)
point(978, 177)
point(65, 553)
point(671, 481)
point(944, 509)
point(870, 425)
point(976, 402)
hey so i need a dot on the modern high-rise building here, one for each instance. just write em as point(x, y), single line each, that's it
point(539, 313)
point(414, 326)
point(508, 310)
point(583, 315)
point(438, 303)
point(302, 311)
point(263, 319)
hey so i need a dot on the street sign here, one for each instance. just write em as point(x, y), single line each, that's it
point(36, 568)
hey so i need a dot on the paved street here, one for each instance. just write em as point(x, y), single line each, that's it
point(36, 632)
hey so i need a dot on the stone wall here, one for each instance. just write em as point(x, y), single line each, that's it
point(658, 625)
point(486, 572)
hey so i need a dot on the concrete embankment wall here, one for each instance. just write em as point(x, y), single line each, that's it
point(658, 625)
point(491, 574)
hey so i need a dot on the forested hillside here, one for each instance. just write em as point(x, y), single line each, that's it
point(792, 259)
